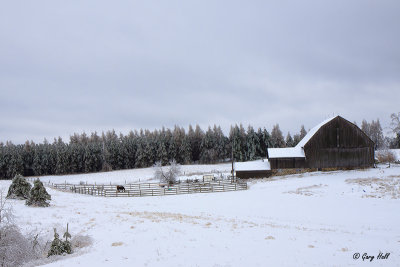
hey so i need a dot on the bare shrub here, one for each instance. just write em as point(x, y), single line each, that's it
point(167, 174)
point(81, 241)
point(386, 156)
point(15, 248)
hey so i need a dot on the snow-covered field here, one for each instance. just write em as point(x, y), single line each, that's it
point(138, 175)
point(312, 219)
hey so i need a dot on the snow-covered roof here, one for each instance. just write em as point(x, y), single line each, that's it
point(257, 165)
point(298, 150)
point(287, 152)
point(311, 133)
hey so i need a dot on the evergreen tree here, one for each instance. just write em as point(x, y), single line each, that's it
point(207, 148)
point(185, 151)
point(38, 195)
point(15, 164)
point(178, 137)
point(161, 152)
point(62, 161)
point(37, 160)
point(303, 132)
point(265, 142)
point(140, 154)
point(77, 156)
point(236, 139)
point(171, 147)
point(220, 143)
point(19, 188)
point(27, 157)
point(296, 139)
point(66, 244)
point(195, 139)
point(289, 140)
point(129, 145)
point(251, 143)
point(59, 247)
point(47, 159)
point(277, 137)
point(148, 154)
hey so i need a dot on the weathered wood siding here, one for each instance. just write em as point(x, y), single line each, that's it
point(287, 163)
point(252, 174)
point(339, 143)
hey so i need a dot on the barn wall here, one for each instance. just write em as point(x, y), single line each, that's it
point(287, 163)
point(339, 143)
point(252, 174)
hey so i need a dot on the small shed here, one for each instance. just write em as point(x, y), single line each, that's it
point(252, 169)
point(334, 143)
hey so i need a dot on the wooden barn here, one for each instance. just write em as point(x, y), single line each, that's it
point(334, 143)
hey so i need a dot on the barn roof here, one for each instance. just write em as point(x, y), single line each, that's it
point(298, 150)
point(311, 133)
point(257, 165)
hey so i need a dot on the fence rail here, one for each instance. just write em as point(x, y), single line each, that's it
point(151, 189)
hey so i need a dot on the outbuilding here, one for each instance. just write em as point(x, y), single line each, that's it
point(252, 169)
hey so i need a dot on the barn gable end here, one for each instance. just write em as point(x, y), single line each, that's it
point(339, 143)
point(334, 143)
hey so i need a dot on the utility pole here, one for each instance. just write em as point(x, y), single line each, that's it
point(233, 170)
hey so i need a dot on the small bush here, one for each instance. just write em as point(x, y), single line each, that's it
point(19, 188)
point(38, 195)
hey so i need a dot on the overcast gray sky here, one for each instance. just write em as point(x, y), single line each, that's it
point(74, 66)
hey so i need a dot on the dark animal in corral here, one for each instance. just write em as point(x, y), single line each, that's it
point(120, 188)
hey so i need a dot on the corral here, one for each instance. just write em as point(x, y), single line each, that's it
point(151, 189)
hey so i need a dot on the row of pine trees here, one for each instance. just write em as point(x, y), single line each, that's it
point(94, 153)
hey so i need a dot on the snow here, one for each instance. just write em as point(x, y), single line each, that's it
point(298, 150)
point(396, 152)
point(257, 165)
point(287, 152)
point(136, 175)
point(311, 133)
point(310, 219)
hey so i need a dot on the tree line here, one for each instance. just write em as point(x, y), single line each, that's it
point(138, 149)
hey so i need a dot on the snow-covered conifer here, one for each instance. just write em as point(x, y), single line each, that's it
point(38, 195)
point(19, 188)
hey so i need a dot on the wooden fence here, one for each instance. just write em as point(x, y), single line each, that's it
point(151, 189)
